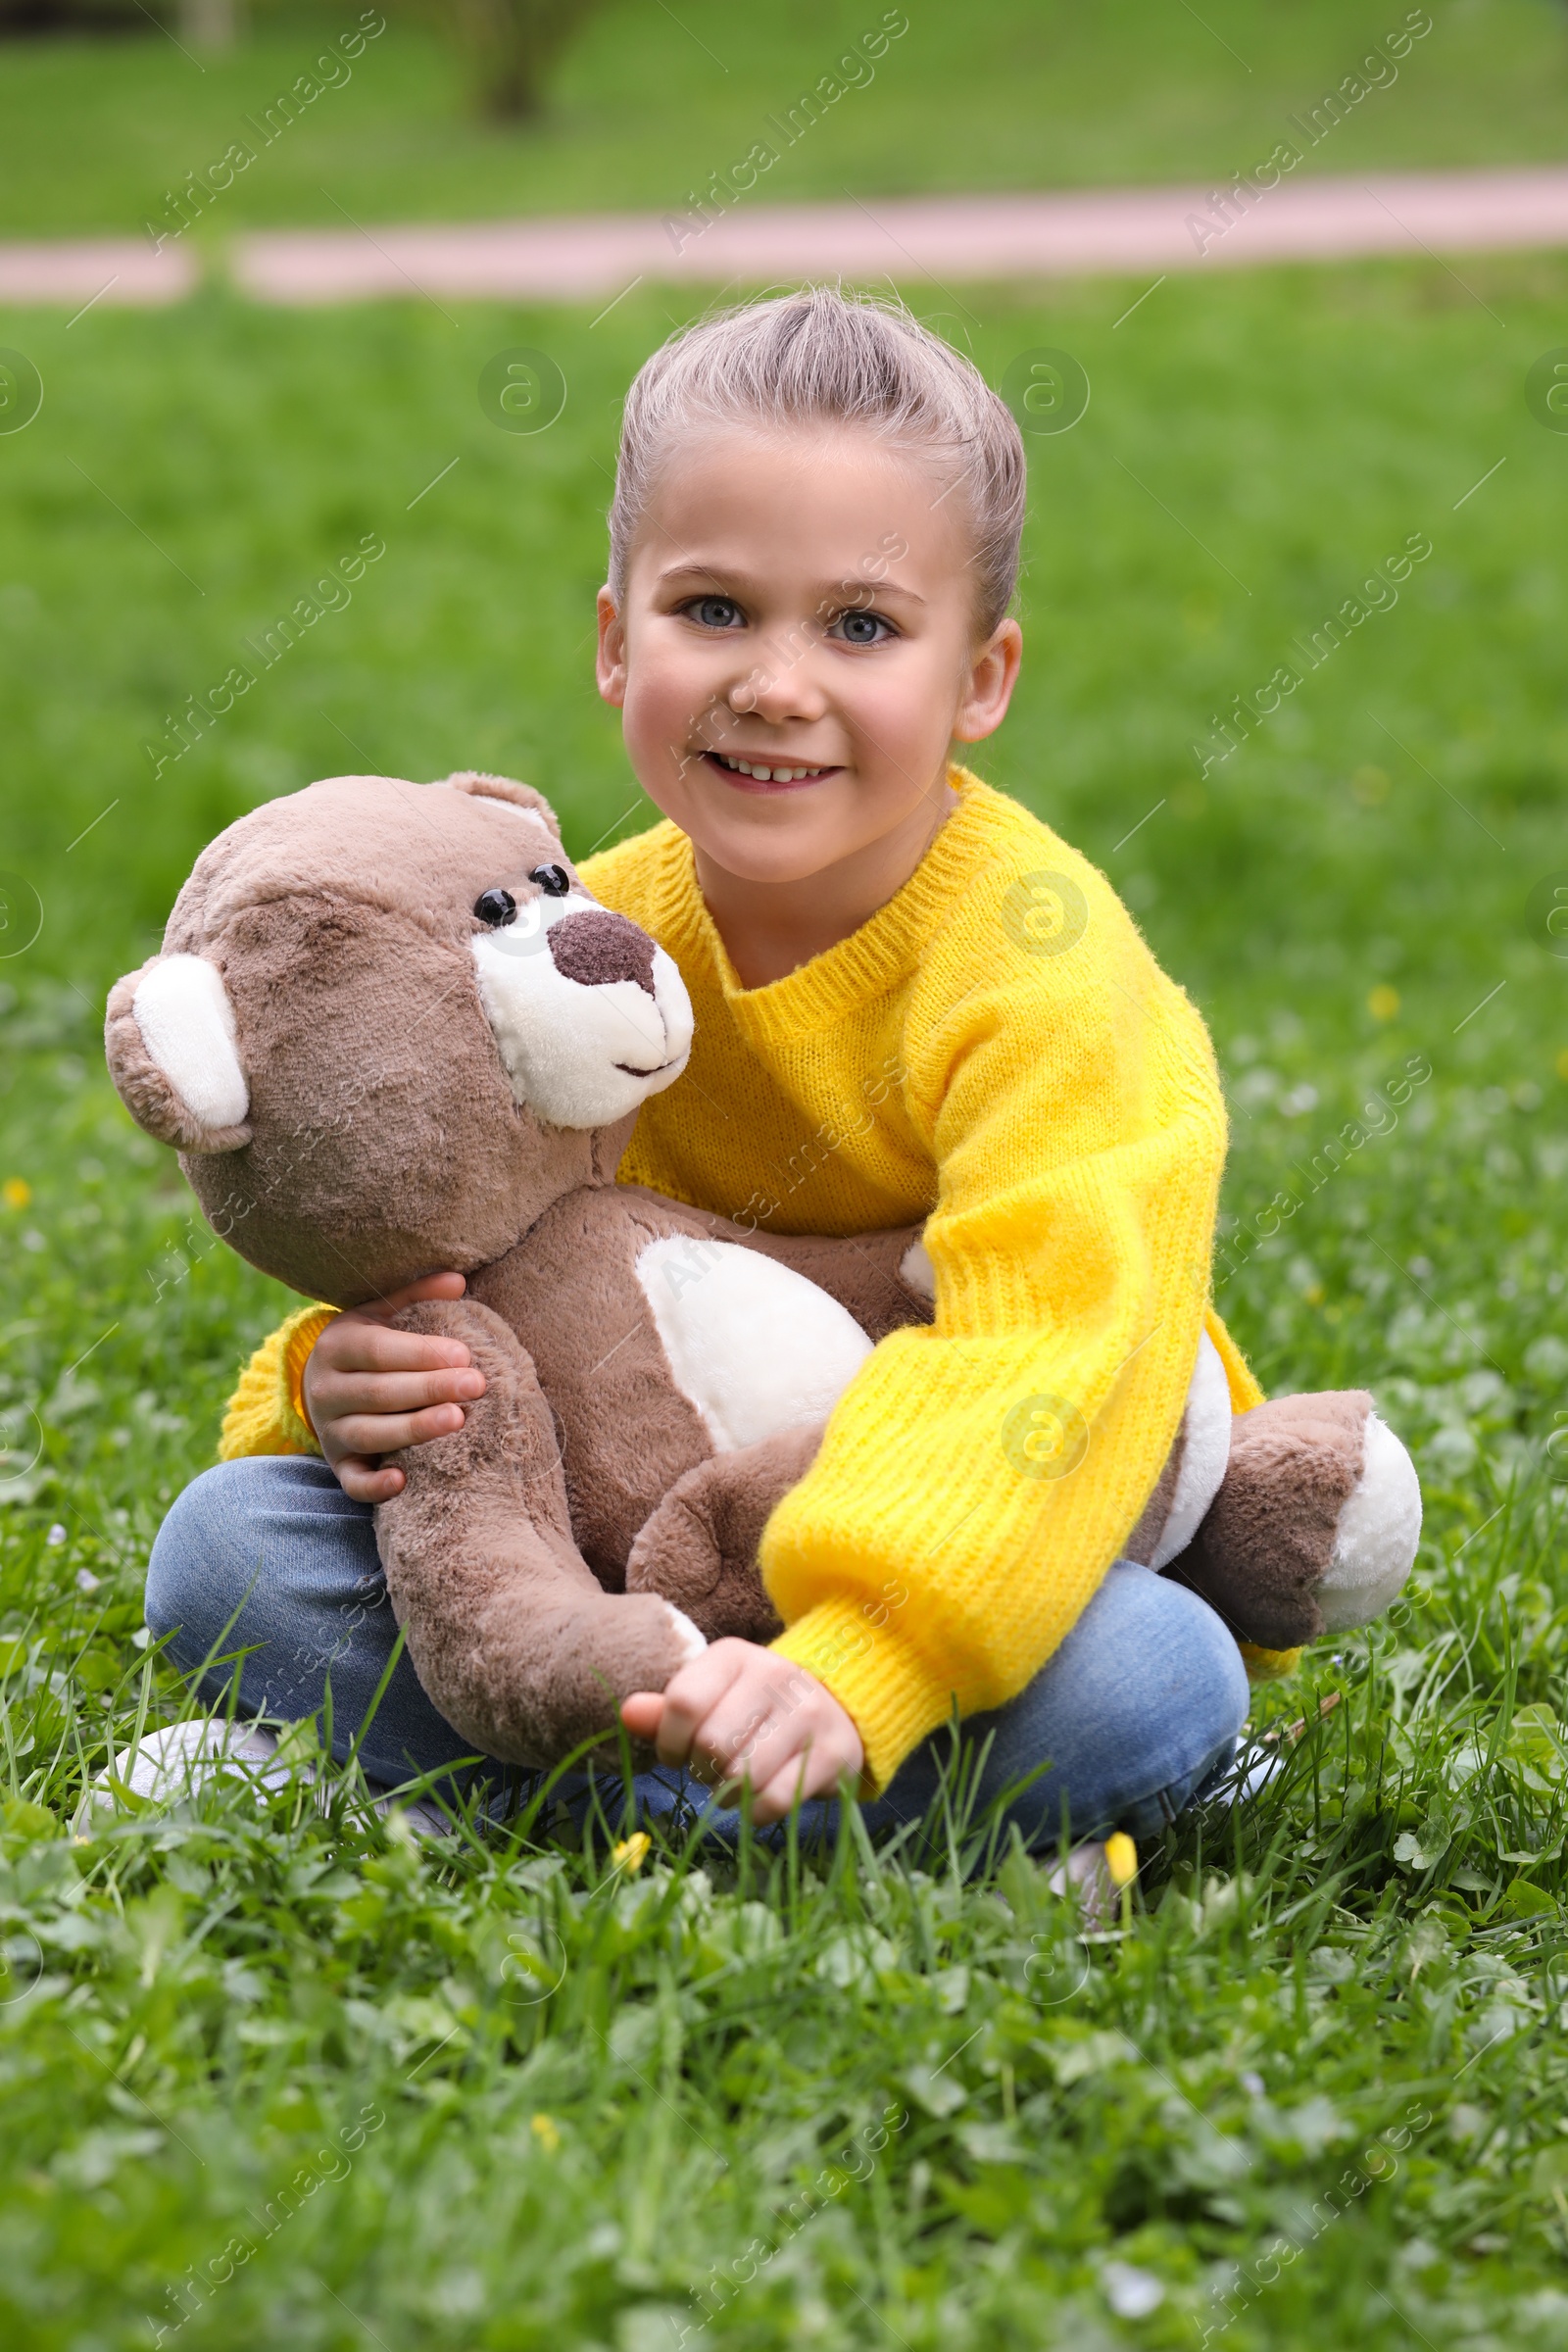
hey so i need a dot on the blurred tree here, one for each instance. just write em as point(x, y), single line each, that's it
point(211, 23)
point(513, 44)
point(72, 16)
point(201, 23)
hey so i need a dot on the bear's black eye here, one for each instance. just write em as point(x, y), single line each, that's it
point(495, 907)
point(552, 880)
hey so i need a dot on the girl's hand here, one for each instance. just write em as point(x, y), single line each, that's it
point(740, 1713)
point(369, 1390)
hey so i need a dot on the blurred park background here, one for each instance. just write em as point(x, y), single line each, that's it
point(634, 104)
point(1361, 888)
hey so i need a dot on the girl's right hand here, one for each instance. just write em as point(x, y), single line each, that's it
point(369, 1390)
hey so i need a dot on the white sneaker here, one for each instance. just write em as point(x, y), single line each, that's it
point(1259, 1761)
point(176, 1762)
point(421, 1813)
point(1250, 1776)
point(165, 1765)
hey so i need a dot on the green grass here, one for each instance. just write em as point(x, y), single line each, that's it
point(208, 2008)
point(1020, 94)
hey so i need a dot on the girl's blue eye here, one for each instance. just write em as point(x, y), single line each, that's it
point(714, 612)
point(862, 628)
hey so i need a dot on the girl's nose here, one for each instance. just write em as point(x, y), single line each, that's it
point(779, 690)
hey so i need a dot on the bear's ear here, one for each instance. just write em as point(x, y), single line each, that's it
point(502, 788)
point(173, 1055)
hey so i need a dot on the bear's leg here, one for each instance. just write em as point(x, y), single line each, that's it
point(699, 1548)
point(512, 1636)
point(1315, 1525)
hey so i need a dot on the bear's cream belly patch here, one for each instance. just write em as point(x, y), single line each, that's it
point(754, 1347)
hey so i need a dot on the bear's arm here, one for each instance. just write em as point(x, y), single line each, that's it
point(511, 1633)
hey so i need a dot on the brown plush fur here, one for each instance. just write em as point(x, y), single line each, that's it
point(383, 1136)
point(698, 1549)
point(1263, 1550)
point(515, 1640)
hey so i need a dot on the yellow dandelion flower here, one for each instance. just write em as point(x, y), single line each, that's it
point(1383, 1002)
point(1561, 1064)
point(1121, 1858)
point(15, 1192)
point(632, 1852)
point(545, 2131)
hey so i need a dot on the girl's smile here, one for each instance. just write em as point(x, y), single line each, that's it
point(753, 777)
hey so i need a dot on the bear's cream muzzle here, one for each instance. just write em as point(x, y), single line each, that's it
point(590, 1018)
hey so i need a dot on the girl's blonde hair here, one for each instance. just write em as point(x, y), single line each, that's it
point(826, 357)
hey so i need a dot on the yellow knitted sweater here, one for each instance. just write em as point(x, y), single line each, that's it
point(996, 1051)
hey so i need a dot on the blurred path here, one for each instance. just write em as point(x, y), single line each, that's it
point(114, 269)
point(601, 257)
point(933, 238)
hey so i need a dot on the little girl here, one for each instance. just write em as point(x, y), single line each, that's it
point(913, 1003)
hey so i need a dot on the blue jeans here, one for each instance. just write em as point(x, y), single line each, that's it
point(1135, 1715)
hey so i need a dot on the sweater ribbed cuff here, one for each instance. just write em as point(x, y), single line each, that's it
point(267, 1412)
point(301, 1332)
point(880, 1680)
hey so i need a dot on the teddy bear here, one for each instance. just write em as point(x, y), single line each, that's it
point(389, 1031)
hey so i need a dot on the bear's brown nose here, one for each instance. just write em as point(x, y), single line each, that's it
point(596, 947)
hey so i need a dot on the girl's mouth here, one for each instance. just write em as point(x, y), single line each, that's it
point(777, 775)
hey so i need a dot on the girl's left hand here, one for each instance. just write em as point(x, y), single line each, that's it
point(742, 1713)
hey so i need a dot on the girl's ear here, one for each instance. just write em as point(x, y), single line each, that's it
point(611, 664)
point(173, 1055)
point(993, 676)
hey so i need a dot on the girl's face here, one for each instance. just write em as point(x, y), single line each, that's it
point(796, 649)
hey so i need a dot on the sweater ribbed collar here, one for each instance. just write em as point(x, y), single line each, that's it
point(857, 970)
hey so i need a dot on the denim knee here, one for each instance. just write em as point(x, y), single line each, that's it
point(229, 1525)
point(189, 1577)
point(1221, 1695)
point(1216, 1702)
